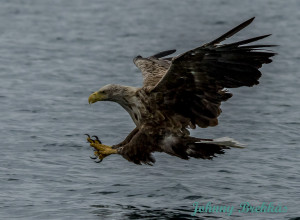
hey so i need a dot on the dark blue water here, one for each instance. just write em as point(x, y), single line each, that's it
point(53, 54)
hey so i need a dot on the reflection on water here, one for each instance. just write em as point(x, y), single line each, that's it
point(145, 212)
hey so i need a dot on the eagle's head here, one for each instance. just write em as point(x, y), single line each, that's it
point(110, 92)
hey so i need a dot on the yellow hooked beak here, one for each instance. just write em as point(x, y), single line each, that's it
point(95, 97)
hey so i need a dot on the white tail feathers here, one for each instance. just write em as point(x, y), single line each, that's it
point(224, 141)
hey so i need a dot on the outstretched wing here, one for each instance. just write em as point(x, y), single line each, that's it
point(193, 86)
point(154, 67)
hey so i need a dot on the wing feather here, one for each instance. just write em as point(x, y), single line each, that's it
point(196, 80)
point(153, 68)
point(164, 53)
point(231, 32)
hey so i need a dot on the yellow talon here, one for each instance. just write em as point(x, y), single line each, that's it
point(101, 150)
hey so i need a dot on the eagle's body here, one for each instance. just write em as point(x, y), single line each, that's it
point(180, 93)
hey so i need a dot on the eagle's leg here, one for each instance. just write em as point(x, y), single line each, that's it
point(127, 139)
point(101, 150)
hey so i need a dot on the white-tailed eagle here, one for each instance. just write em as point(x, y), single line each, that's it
point(180, 93)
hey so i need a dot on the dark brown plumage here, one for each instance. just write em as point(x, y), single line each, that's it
point(183, 92)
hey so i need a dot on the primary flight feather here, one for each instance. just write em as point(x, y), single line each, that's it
point(180, 93)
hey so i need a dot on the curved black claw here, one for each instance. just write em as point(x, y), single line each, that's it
point(96, 137)
point(98, 161)
point(87, 135)
point(93, 158)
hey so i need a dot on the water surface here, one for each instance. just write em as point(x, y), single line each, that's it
point(53, 54)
